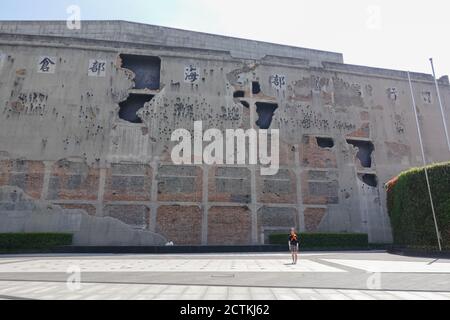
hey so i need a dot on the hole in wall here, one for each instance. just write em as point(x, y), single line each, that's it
point(265, 112)
point(256, 87)
point(146, 68)
point(245, 104)
point(325, 142)
point(130, 107)
point(369, 179)
point(239, 94)
point(365, 150)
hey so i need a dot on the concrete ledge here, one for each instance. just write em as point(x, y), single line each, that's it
point(139, 33)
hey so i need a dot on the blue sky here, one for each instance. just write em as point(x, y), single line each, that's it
point(135, 10)
point(398, 34)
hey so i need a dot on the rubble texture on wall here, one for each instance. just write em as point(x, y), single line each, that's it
point(86, 118)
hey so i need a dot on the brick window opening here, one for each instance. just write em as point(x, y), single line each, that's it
point(369, 179)
point(265, 112)
point(365, 150)
point(245, 104)
point(256, 87)
point(130, 107)
point(239, 94)
point(147, 70)
point(325, 142)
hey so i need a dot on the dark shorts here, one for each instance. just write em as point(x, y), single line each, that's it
point(293, 248)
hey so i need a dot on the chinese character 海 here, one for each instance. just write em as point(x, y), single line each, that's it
point(191, 74)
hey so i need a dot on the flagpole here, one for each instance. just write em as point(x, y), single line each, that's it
point(424, 162)
point(440, 104)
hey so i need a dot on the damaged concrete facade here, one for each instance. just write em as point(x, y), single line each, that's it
point(91, 130)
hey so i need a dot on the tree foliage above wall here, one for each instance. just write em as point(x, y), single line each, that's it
point(410, 207)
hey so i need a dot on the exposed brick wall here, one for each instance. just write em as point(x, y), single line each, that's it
point(287, 154)
point(320, 187)
point(73, 181)
point(180, 183)
point(180, 224)
point(314, 156)
point(137, 216)
point(365, 116)
point(27, 175)
point(275, 219)
point(128, 182)
point(280, 188)
point(5, 171)
point(362, 132)
point(313, 218)
point(229, 184)
point(229, 226)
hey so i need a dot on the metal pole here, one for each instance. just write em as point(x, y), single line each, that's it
point(424, 162)
point(440, 104)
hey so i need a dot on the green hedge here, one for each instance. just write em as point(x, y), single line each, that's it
point(33, 241)
point(410, 209)
point(325, 240)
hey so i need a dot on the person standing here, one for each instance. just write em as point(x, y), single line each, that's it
point(293, 245)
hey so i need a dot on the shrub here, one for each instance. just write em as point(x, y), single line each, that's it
point(33, 241)
point(325, 240)
point(410, 211)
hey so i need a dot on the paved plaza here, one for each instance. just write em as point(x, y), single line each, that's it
point(346, 275)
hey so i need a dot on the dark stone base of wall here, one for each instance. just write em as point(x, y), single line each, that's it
point(171, 249)
point(420, 253)
point(179, 250)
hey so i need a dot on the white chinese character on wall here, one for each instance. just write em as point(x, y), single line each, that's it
point(46, 64)
point(278, 81)
point(97, 68)
point(191, 74)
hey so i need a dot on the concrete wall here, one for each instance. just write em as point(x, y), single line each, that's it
point(20, 213)
point(61, 138)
